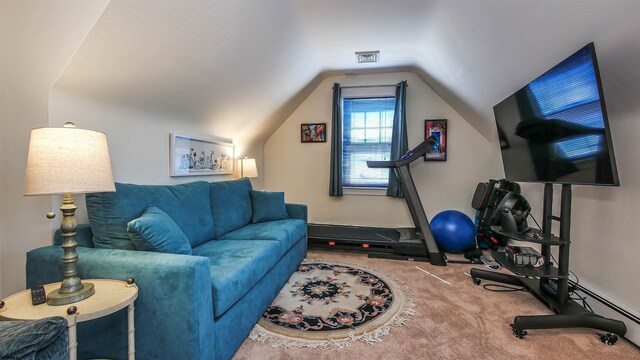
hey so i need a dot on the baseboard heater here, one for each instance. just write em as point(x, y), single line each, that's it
point(631, 320)
point(609, 304)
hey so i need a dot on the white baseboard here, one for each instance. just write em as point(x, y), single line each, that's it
point(600, 308)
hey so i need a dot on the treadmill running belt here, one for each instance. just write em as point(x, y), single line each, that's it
point(357, 233)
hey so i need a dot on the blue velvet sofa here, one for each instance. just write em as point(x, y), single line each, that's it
point(198, 306)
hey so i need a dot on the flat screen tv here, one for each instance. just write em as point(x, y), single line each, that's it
point(555, 129)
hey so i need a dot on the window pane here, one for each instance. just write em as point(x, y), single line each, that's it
point(362, 175)
point(387, 119)
point(372, 135)
point(357, 135)
point(373, 119)
point(367, 136)
point(386, 135)
point(357, 119)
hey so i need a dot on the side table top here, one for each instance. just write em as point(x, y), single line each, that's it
point(110, 296)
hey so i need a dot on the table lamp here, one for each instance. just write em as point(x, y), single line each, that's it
point(248, 168)
point(65, 161)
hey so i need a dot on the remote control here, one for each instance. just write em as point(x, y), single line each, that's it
point(38, 296)
point(490, 262)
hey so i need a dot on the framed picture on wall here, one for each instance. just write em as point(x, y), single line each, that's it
point(310, 133)
point(192, 156)
point(438, 129)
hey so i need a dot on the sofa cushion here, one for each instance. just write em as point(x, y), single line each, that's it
point(187, 204)
point(230, 204)
point(268, 206)
point(156, 231)
point(285, 232)
point(236, 266)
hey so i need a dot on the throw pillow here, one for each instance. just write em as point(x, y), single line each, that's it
point(268, 206)
point(156, 231)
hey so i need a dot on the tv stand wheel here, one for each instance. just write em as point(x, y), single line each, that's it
point(608, 338)
point(520, 334)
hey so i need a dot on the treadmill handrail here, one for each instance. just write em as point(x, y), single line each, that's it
point(381, 164)
point(414, 154)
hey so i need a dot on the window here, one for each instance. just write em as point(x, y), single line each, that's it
point(367, 125)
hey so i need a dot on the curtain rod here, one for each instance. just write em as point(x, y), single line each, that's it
point(366, 86)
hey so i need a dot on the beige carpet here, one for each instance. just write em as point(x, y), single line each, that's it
point(457, 321)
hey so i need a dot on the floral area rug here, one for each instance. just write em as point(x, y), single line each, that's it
point(331, 304)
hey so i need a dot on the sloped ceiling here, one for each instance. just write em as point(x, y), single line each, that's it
point(242, 66)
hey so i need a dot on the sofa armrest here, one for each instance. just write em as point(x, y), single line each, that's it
point(174, 304)
point(297, 211)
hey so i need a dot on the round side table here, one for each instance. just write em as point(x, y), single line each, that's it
point(110, 296)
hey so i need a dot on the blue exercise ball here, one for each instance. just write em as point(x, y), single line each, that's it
point(454, 231)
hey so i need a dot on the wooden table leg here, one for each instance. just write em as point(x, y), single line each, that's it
point(72, 348)
point(131, 332)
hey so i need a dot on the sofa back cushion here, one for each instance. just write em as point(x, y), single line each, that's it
point(187, 204)
point(230, 205)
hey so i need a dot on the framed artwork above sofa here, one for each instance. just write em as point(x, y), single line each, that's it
point(191, 156)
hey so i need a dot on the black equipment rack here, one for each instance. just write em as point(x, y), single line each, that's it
point(540, 281)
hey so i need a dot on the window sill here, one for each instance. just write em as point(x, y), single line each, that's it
point(364, 191)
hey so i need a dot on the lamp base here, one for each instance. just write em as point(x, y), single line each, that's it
point(55, 298)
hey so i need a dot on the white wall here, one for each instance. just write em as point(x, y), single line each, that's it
point(37, 40)
point(302, 170)
point(138, 141)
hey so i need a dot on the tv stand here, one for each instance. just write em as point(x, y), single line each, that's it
point(568, 313)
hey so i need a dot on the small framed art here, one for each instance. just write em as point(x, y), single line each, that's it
point(310, 133)
point(438, 129)
point(191, 156)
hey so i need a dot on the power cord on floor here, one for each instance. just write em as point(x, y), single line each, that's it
point(574, 295)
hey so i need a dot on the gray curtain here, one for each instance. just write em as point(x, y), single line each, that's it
point(335, 179)
point(399, 143)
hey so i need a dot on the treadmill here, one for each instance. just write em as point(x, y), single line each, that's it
point(415, 243)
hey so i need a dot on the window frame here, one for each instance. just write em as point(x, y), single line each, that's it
point(372, 93)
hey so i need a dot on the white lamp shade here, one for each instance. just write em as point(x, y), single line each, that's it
point(249, 168)
point(67, 160)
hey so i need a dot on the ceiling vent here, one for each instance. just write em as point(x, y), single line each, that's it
point(367, 56)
